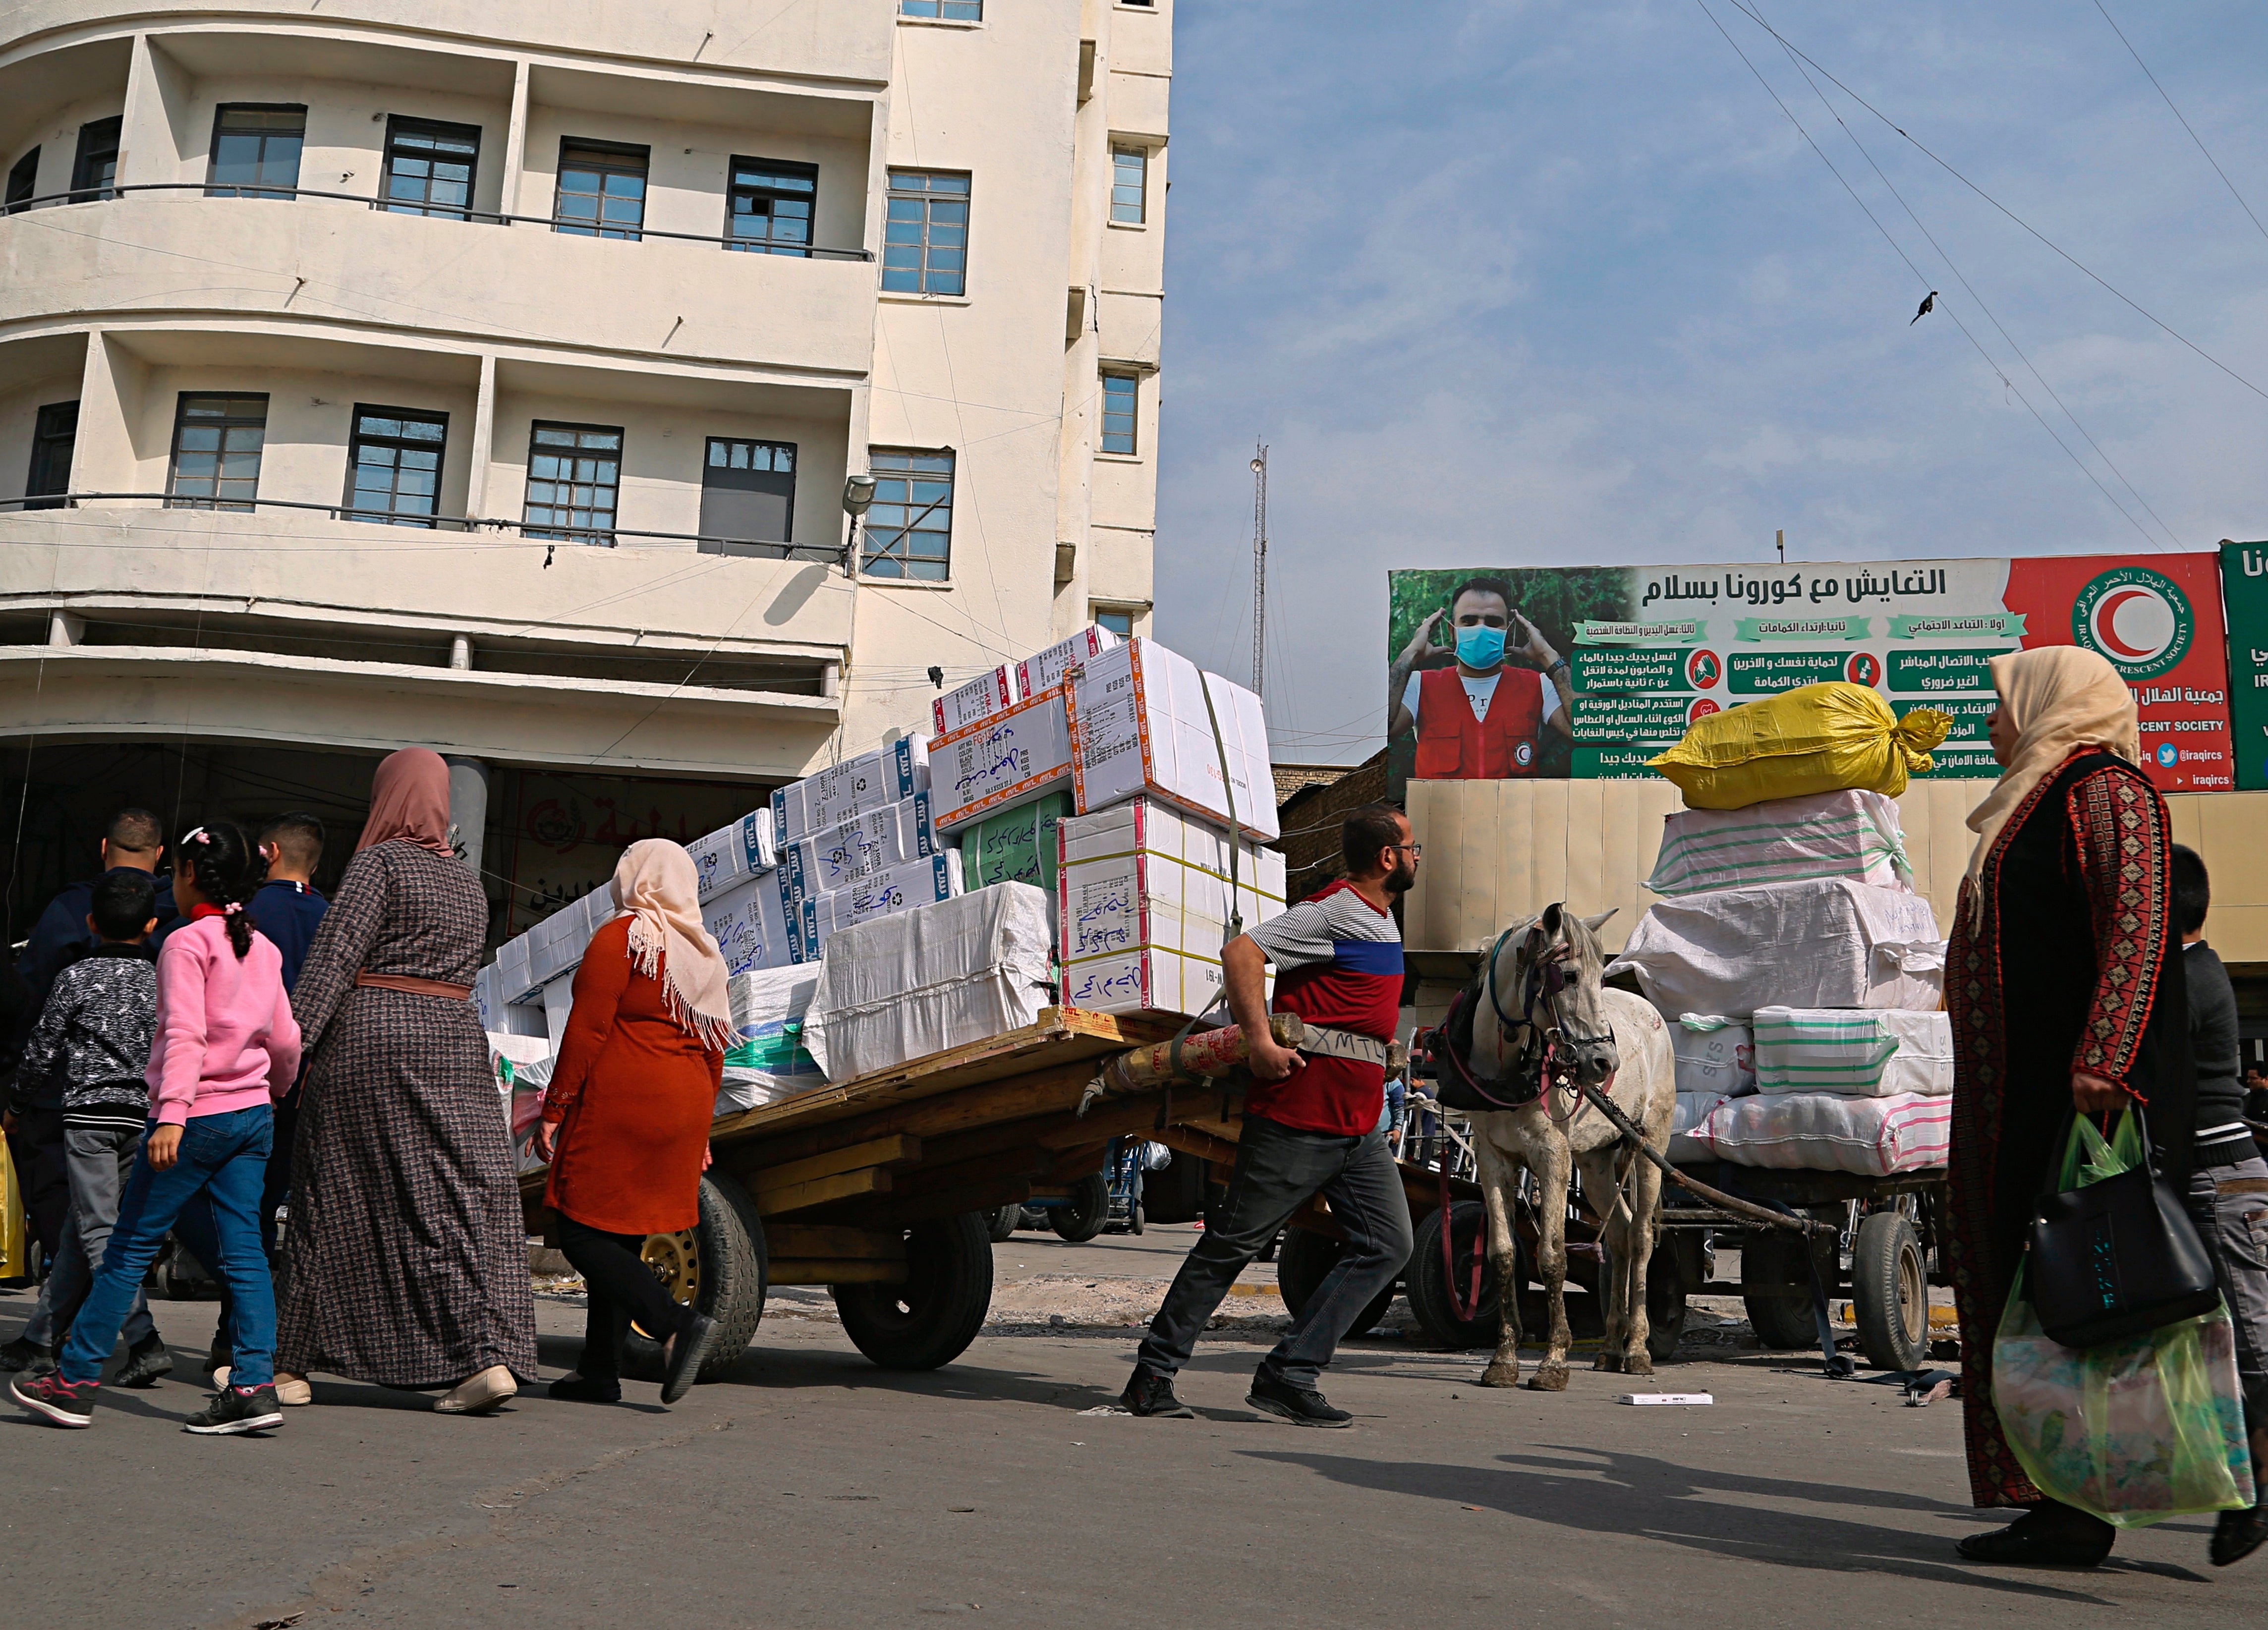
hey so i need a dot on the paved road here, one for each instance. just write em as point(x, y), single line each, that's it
point(812, 1489)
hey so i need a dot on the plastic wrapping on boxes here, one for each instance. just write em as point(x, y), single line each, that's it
point(1852, 835)
point(1017, 845)
point(980, 698)
point(1142, 901)
point(1693, 1109)
point(522, 1067)
point(1826, 943)
point(833, 795)
point(1011, 757)
point(1140, 725)
point(750, 926)
point(864, 846)
point(1044, 669)
point(767, 1060)
point(903, 888)
point(1829, 1132)
point(1713, 1054)
point(1879, 1053)
point(920, 981)
point(728, 858)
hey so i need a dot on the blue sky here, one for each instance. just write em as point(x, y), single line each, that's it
point(1540, 282)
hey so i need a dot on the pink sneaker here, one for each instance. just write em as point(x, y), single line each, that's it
point(60, 1402)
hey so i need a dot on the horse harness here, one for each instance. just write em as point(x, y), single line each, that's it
point(1537, 1066)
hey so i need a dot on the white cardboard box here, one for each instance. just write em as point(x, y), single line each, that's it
point(1139, 725)
point(833, 795)
point(750, 925)
point(729, 857)
point(964, 705)
point(1828, 943)
point(863, 847)
point(887, 894)
point(1044, 669)
point(997, 763)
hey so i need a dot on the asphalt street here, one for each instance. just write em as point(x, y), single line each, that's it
point(813, 1490)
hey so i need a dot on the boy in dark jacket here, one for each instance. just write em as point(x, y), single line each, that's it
point(90, 1048)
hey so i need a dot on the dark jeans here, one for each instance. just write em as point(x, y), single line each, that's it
point(2230, 1205)
point(101, 1164)
point(43, 1167)
point(618, 1287)
point(1278, 1167)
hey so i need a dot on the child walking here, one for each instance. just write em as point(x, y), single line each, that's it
point(227, 1046)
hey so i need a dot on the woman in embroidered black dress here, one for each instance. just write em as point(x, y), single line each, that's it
point(2064, 982)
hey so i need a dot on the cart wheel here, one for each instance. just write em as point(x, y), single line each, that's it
point(930, 1320)
point(1429, 1287)
point(1001, 1224)
point(1776, 1261)
point(1081, 1217)
point(1300, 1269)
point(719, 1266)
point(1890, 1290)
point(1664, 1302)
point(1134, 1218)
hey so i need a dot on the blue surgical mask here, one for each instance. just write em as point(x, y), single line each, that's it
point(1480, 646)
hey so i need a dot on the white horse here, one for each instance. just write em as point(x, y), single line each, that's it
point(1540, 1003)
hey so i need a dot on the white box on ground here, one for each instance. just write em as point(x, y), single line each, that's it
point(1139, 725)
point(1852, 835)
point(1860, 1052)
point(730, 856)
point(830, 797)
point(901, 888)
point(997, 763)
point(1044, 669)
point(750, 925)
point(1665, 1398)
point(920, 981)
point(767, 1060)
point(1713, 1054)
point(1828, 943)
point(980, 698)
point(864, 846)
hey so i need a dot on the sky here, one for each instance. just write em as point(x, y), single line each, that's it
point(1508, 283)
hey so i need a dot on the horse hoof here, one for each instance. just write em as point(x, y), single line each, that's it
point(1500, 1374)
point(1553, 1379)
point(1607, 1362)
point(1638, 1364)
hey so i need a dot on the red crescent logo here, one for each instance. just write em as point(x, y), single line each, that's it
point(2106, 618)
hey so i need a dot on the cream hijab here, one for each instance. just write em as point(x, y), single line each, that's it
point(654, 882)
point(2059, 698)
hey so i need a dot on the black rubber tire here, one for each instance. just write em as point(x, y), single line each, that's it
point(1889, 1291)
point(1001, 1224)
point(1664, 1302)
point(1081, 1217)
point(930, 1320)
point(733, 1276)
point(1428, 1286)
point(1176, 1194)
point(1300, 1265)
point(1774, 1261)
point(1135, 1218)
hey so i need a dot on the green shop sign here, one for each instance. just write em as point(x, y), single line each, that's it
point(2244, 594)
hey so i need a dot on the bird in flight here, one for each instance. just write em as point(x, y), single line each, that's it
point(1928, 304)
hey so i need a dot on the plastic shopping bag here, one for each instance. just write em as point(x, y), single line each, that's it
point(15, 1257)
point(2135, 1431)
point(1814, 738)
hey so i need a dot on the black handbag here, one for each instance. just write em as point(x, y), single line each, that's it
point(2115, 1258)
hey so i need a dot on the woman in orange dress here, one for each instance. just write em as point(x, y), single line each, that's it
point(627, 1111)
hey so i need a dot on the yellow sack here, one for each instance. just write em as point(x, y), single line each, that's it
point(1829, 737)
point(13, 1253)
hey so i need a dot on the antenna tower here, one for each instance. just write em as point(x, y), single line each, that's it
point(1259, 571)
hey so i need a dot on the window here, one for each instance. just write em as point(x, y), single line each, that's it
point(925, 246)
point(255, 151)
point(23, 181)
point(951, 10)
point(602, 190)
point(574, 472)
point(747, 494)
point(429, 167)
point(393, 465)
point(216, 445)
point(1119, 622)
point(909, 529)
point(95, 171)
point(53, 434)
point(1121, 397)
point(1129, 181)
point(770, 208)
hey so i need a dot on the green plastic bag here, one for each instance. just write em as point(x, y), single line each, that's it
point(2135, 1431)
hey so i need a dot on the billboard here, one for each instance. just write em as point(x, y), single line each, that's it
point(1588, 672)
point(2244, 597)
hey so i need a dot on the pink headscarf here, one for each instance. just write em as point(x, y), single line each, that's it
point(654, 881)
point(409, 799)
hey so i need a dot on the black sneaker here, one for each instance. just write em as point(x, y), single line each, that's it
point(2057, 1537)
point(1150, 1393)
point(686, 1350)
point(1300, 1406)
point(145, 1363)
point(21, 1354)
point(582, 1389)
point(236, 1409)
point(61, 1402)
point(2238, 1534)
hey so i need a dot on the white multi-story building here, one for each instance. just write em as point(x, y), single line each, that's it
point(488, 377)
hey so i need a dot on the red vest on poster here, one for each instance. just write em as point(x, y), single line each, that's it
point(1454, 745)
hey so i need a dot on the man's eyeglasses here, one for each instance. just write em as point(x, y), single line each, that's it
point(1418, 850)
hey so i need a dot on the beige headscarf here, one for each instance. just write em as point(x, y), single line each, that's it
point(2059, 698)
point(654, 882)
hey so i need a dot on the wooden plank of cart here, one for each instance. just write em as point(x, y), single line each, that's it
point(878, 1188)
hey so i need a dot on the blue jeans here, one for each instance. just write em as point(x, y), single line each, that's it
point(224, 1157)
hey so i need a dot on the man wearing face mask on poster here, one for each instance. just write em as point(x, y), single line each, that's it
point(1479, 720)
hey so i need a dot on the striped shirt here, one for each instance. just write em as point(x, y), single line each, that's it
point(1338, 963)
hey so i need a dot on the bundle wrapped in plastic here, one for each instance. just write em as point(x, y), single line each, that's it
point(1828, 1131)
point(1713, 1054)
point(1851, 833)
point(767, 1060)
point(1827, 943)
point(1814, 738)
point(1693, 1108)
point(1865, 1053)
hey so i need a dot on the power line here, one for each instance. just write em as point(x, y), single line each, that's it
point(2194, 137)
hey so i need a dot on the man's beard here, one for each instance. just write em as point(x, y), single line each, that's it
point(1402, 880)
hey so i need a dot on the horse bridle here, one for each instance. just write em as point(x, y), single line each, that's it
point(1545, 983)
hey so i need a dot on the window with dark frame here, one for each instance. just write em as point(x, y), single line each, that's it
point(1119, 622)
point(217, 441)
point(909, 528)
point(1122, 395)
point(429, 167)
point(574, 477)
point(926, 241)
point(769, 205)
point(23, 181)
point(1130, 185)
point(748, 495)
point(55, 435)
point(951, 10)
point(601, 189)
point(94, 168)
point(393, 465)
point(255, 150)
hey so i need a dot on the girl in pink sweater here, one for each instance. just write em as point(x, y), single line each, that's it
point(227, 1046)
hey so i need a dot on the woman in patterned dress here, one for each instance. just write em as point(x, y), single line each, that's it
point(2065, 985)
point(406, 1261)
